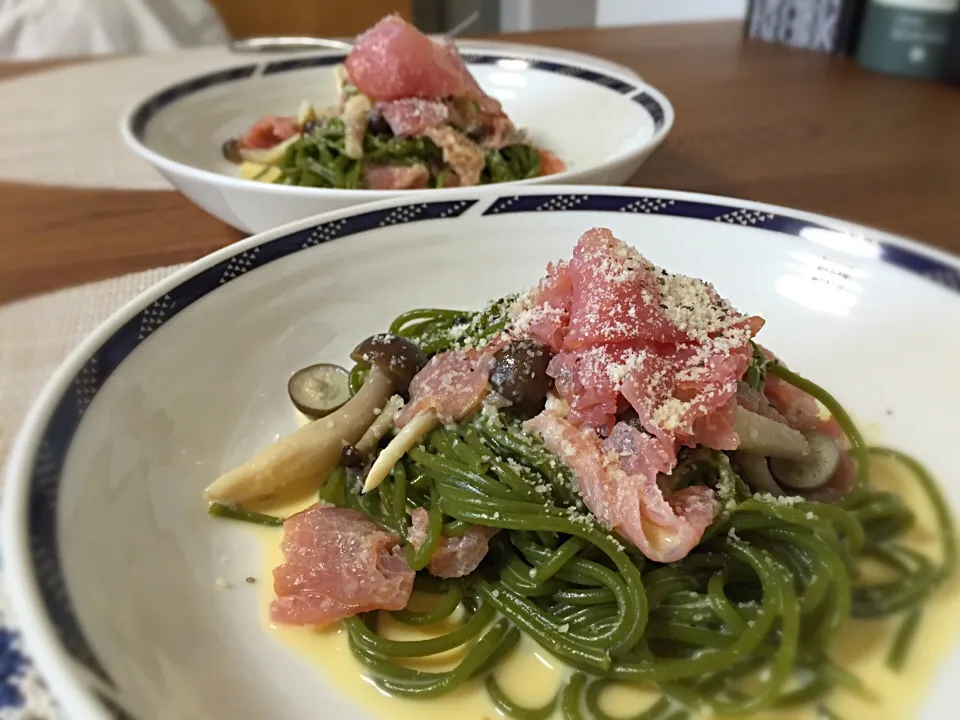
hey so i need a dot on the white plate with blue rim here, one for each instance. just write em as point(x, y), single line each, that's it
point(134, 602)
point(600, 118)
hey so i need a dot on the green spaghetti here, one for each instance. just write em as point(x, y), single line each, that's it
point(742, 624)
point(318, 158)
point(733, 616)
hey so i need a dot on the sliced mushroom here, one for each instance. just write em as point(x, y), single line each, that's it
point(350, 457)
point(381, 426)
point(355, 111)
point(231, 151)
point(399, 356)
point(421, 424)
point(519, 375)
point(394, 355)
point(814, 469)
point(318, 390)
point(314, 450)
point(760, 435)
point(305, 113)
point(267, 156)
point(756, 473)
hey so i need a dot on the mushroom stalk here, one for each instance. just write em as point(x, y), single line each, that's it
point(381, 426)
point(813, 470)
point(756, 473)
point(422, 423)
point(313, 451)
point(760, 435)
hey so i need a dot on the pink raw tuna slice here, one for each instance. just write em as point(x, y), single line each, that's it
point(547, 314)
point(455, 556)
point(414, 116)
point(395, 177)
point(667, 344)
point(583, 379)
point(269, 131)
point(454, 383)
point(630, 501)
point(470, 88)
point(639, 453)
point(688, 393)
point(798, 408)
point(550, 164)
point(616, 296)
point(715, 430)
point(393, 60)
point(337, 563)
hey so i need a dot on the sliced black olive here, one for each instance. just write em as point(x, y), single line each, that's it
point(231, 151)
point(377, 124)
point(394, 355)
point(520, 375)
point(309, 127)
point(320, 389)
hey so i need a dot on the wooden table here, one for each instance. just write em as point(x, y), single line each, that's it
point(754, 120)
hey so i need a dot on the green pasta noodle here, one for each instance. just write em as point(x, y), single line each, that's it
point(234, 512)
point(514, 710)
point(318, 158)
point(744, 623)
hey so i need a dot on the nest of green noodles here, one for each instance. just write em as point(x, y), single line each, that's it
point(744, 623)
point(318, 159)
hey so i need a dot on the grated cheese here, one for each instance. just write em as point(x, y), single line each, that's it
point(788, 500)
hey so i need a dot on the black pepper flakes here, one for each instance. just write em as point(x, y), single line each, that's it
point(251, 580)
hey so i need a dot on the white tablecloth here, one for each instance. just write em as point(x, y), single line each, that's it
point(27, 359)
point(46, 139)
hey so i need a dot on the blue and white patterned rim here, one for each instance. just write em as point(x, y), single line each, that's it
point(59, 431)
point(146, 111)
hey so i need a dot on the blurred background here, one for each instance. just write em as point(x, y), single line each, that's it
point(37, 29)
point(248, 17)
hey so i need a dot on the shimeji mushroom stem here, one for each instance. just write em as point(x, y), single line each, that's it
point(313, 451)
point(380, 427)
point(422, 423)
point(760, 435)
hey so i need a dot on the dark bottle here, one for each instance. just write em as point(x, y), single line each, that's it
point(951, 56)
point(906, 37)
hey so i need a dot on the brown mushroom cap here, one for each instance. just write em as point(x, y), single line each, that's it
point(394, 355)
point(318, 390)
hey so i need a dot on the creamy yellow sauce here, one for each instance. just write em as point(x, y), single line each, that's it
point(257, 171)
point(531, 676)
